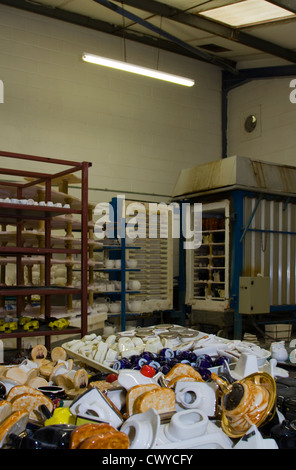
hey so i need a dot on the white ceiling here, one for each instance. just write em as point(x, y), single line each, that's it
point(244, 41)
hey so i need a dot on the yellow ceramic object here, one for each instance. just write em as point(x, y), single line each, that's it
point(61, 416)
point(59, 324)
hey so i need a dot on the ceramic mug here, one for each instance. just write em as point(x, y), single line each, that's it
point(221, 292)
point(109, 263)
point(101, 287)
point(110, 287)
point(28, 365)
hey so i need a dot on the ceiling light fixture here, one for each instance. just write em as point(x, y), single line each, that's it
point(126, 67)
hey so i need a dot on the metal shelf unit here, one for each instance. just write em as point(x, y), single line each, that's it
point(18, 215)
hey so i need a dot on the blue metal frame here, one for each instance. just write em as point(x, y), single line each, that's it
point(236, 261)
point(238, 232)
point(182, 273)
point(237, 235)
point(119, 230)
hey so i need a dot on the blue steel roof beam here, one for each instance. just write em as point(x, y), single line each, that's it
point(201, 54)
point(215, 28)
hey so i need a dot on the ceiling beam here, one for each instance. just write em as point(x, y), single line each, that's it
point(230, 81)
point(286, 4)
point(217, 29)
point(195, 51)
point(115, 30)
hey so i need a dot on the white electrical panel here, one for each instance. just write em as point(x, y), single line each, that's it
point(254, 295)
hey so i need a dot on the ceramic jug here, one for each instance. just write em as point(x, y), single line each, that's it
point(278, 351)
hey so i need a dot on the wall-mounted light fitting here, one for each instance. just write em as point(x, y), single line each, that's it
point(124, 66)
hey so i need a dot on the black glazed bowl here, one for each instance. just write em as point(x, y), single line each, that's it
point(56, 436)
point(2, 390)
point(52, 391)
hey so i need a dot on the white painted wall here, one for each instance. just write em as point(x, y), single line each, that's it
point(138, 133)
point(274, 138)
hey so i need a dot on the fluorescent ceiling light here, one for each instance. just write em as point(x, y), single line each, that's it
point(247, 12)
point(153, 73)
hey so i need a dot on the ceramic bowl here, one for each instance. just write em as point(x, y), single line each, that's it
point(131, 263)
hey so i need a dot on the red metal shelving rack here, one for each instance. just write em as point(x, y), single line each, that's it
point(11, 213)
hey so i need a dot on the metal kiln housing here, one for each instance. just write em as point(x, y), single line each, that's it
point(258, 203)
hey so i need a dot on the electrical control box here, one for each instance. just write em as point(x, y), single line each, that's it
point(254, 295)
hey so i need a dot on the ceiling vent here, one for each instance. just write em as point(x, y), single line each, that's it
point(214, 48)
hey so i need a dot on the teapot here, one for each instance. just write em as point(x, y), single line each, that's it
point(134, 305)
point(102, 307)
point(250, 401)
point(134, 285)
point(114, 307)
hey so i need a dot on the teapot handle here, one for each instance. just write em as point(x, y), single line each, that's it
point(225, 387)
